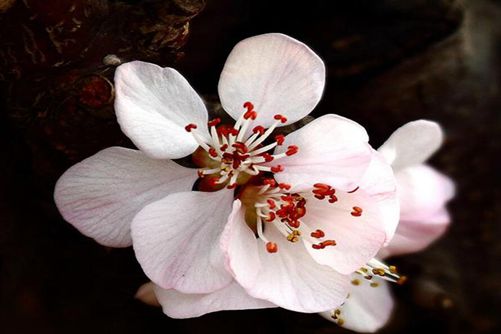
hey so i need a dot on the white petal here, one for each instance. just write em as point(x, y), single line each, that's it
point(358, 239)
point(414, 236)
point(182, 305)
point(422, 192)
point(277, 73)
point(412, 144)
point(153, 106)
point(367, 309)
point(289, 278)
point(101, 195)
point(332, 150)
point(380, 183)
point(176, 240)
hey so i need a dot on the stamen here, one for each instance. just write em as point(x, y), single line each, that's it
point(271, 247)
point(214, 122)
point(357, 211)
point(280, 139)
point(190, 127)
point(318, 234)
point(277, 169)
point(280, 118)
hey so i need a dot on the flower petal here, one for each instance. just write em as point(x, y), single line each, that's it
point(414, 236)
point(423, 193)
point(182, 305)
point(367, 309)
point(288, 278)
point(153, 106)
point(412, 144)
point(101, 195)
point(275, 72)
point(176, 241)
point(380, 183)
point(332, 150)
point(358, 238)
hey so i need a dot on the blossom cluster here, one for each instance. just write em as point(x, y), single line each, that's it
point(262, 219)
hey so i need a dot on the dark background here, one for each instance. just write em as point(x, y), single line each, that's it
point(389, 62)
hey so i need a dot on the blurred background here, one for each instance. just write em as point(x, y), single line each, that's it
point(388, 61)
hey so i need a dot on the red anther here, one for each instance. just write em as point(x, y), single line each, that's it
point(322, 186)
point(225, 130)
point(280, 118)
point(277, 169)
point(271, 217)
point(241, 147)
point(249, 106)
point(357, 211)
point(267, 157)
point(224, 147)
point(317, 196)
point(287, 198)
point(250, 114)
point(271, 203)
point(271, 247)
point(332, 199)
point(318, 234)
point(212, 152)
point(231, 186)
point(317, 246)
point(284, 186)
point(214, 122)
point(279, 139)
point(293, 149)
point(294, 223)
point(352, 191)
point(258, 129)
point(328, 243)
point(190, 127)
point(269, 182)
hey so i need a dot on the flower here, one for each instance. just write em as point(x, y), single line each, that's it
point(235, 244)
point(423, 193)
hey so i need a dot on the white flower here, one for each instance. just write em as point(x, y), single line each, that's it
point(236, 246)
point(423, 193)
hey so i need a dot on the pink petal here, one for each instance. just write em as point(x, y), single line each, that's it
point(358, 238)
point(422, 191)
point(101, 195)
point(412, 144)
point(153, 106)
point(332, 150)
point(288, 278)
point(276, 73)
point(367, 309)
point(414, 236)
point(380, 183)
point(176, 241)
point(182, 305)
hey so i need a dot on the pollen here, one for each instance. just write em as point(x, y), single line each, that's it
point(357, 211)
point(271, 247)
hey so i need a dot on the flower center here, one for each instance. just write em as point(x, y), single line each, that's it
point(233, 152)
point(271, 205)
